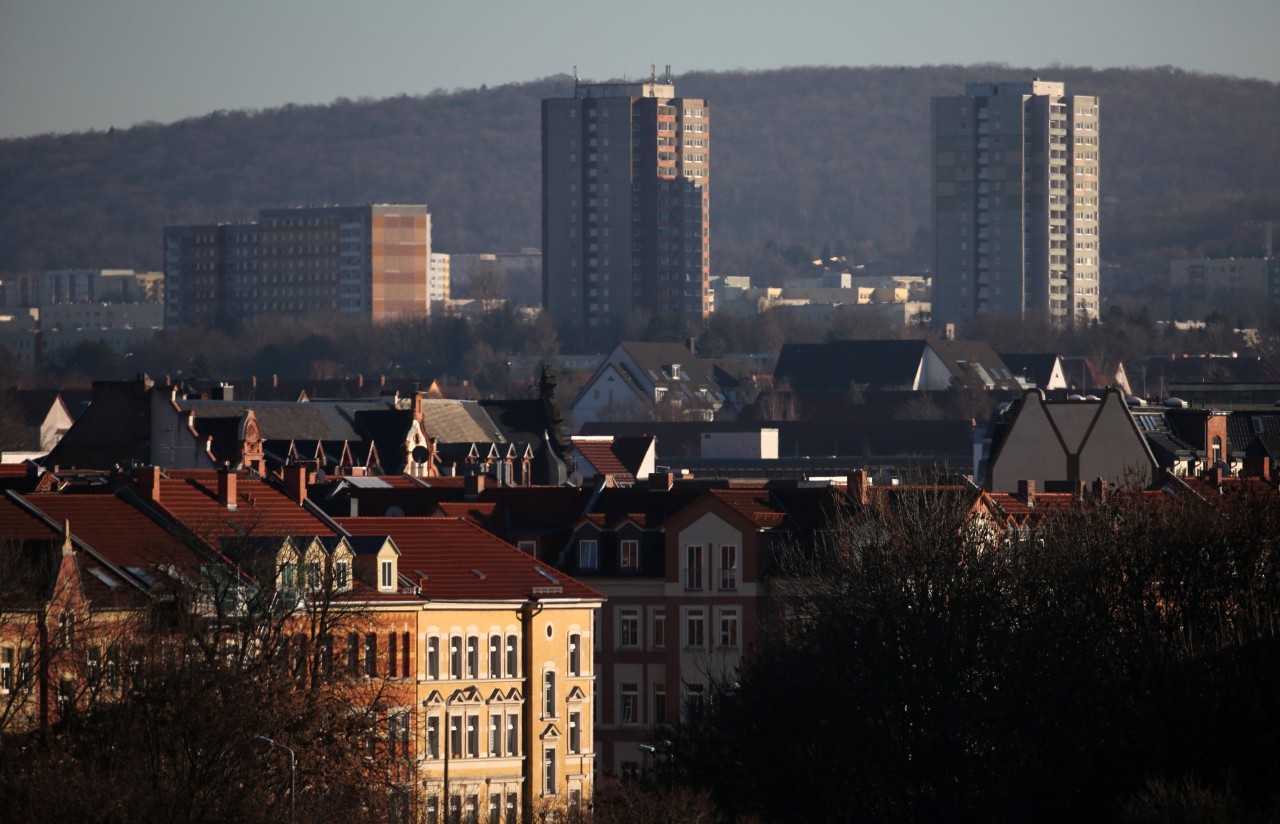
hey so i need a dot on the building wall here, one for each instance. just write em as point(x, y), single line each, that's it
point(1015, 190)
point(367, 261)
point(625, 208)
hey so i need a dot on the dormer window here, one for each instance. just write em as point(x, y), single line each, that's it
point(288, 575)
point(342, 576)
point(387, 576)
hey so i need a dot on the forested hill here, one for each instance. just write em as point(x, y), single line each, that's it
point(813, 156)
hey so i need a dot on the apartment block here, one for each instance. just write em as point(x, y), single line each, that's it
point(1015, 203)
point(625, 206)
point(367, 261)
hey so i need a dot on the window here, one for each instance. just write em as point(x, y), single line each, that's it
point(386, 575)
point(659, 703)
point(455, 656)
point(433, 657)
point(495, 807)
point(371, 654)
point(729, 628)
point(693, 567)
point(25, 668)
point(473, 809)
point(728, 567)
point(575, 654)
point(433, 810)
point(455, 736)
point(342, 575)
point(658, 633)
point(391, 654)
point(495, 656)
point(433, 737)
point(353, 653)
point(528, 547)
point(629, 628)
point(495, 734)
point(512, 801)
point(695, 629)
point(473, 735)
point(513, 733)
point(6, 670)
point(398, 734)
point(587, 554)
point(288, 575)
point(629, 704)
point(513, 670)
point(473, 656)
point(548, 695)
point(315, 579)
point(549, 771)
point(575, 732)
point(629, 555)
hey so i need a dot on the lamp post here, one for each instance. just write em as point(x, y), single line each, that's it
point(293, 771)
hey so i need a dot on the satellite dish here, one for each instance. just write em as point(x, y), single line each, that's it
point(420, 454)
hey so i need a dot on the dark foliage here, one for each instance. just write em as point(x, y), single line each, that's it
point(1120, 662)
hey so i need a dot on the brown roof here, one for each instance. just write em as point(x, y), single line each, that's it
point(453, 559)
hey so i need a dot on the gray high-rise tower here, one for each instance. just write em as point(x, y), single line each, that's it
point(1015, 203)
point(625, 204)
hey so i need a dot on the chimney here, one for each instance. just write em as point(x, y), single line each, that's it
point(149, 482)
point(860, 487)
point(473, 485)
point(295, 482)
point(661, 481)
point(227, 487)
point(1027, 492)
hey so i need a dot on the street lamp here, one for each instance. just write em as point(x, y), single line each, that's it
point(293, 771)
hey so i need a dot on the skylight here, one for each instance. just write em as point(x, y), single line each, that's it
point(142, 575)
point(553, 579)
point(101, 575)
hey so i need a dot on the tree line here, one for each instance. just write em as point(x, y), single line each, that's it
point(1115, 660)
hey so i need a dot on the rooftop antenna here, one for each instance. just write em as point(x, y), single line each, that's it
point(575, 75)
point(653, 73)
point(668, 72)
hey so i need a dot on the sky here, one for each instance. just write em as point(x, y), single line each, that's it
point(78, 65)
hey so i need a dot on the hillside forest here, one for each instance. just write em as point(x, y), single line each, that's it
point(805, 160)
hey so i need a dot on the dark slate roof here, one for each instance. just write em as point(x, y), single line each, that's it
point(116, 428)
point(1035, 367)
point(837, 365)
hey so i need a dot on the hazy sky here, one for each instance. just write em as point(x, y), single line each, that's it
point(70, 65)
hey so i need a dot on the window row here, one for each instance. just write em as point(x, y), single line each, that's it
point(628, 554)
point(502, 659)
point(695, 566)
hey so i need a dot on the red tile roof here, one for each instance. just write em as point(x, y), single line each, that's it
point(116, 530)
point(452, 559)
point(191, 498)
point(754, 504)
point(602, 454)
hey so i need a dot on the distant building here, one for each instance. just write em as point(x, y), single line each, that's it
point(366, 261)
point(438, 269)
point(1015, 203)
point(57, 309)
point(1210, 279)
point(62, 286)
point(625, 205)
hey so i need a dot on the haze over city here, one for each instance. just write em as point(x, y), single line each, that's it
point(74, 65)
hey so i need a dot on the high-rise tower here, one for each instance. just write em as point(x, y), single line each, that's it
point(625, 200)
point(1015, 203)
